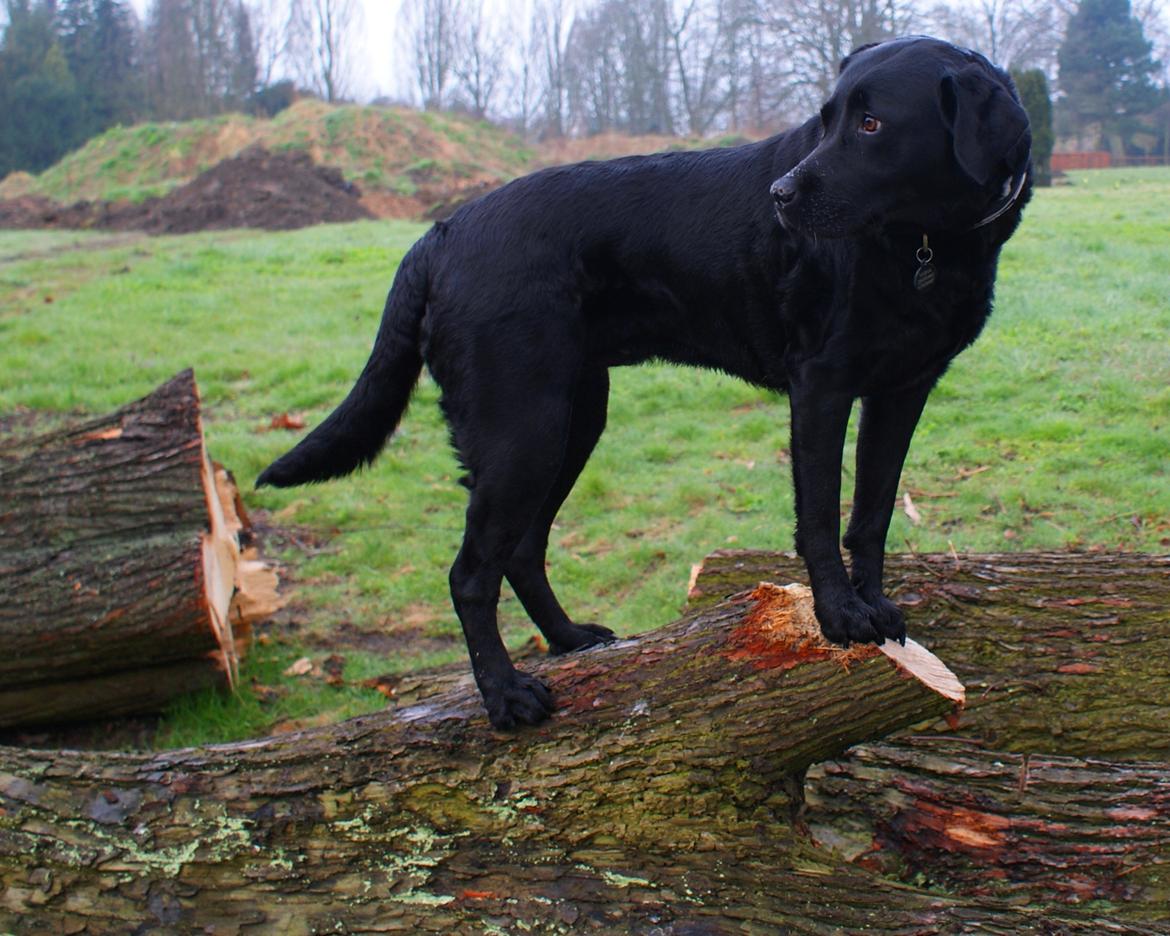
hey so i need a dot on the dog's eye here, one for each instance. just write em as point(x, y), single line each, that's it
point(870, 124)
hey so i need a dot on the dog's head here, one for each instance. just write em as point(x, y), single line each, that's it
point(917, 131)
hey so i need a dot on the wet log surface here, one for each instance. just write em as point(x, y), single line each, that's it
point(663, 792)
point(1054, 830)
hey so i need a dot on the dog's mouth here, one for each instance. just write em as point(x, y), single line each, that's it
point(822, 218)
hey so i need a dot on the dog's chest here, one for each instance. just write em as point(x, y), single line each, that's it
point(900, 336)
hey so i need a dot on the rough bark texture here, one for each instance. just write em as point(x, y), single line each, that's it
point(1062, 653)
point(119, 561)
point(1046, 828)
point(663, 797)
point(1065, 657)
point(659, 793)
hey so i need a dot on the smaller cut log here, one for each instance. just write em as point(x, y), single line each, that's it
point(122, 578)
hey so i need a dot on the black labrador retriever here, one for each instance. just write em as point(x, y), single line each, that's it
point(852, 257)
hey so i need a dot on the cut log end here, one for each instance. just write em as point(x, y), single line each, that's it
point(241, 588)
point(785, 629)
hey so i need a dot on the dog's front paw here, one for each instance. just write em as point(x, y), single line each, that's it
point(519, 699)
point(580, 637)
point(846, 619)
point(886, 616)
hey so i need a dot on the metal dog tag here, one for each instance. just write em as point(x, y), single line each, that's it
point(925, 275)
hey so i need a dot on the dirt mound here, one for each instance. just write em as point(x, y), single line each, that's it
point(256, 188)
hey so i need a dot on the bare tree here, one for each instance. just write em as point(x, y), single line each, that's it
point(479, 60)
point(320, 33)
point(815, 37)
point(553, 23)
point(522, 73)
point(620, 67)
point(700, 38)
point(270, 34)
point(173, 88)
point(1154, 15)
point(199, 57)
point(759, 93)
point(1012, 33)
point(431, 33)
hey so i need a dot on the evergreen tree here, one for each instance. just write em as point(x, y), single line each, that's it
point(1106, 72)
point(42, 113)
point(1033, 88)
point(100, 40)
point(245, 69)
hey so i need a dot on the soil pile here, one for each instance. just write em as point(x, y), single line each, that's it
point(256, 188)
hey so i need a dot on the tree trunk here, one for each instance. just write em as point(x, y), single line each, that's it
point(660, 791)
point(1063, 652)
point(121, 572)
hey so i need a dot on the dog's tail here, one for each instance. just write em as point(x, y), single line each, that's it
point(354, 433)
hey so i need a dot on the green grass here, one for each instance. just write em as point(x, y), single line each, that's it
point(1052, 431)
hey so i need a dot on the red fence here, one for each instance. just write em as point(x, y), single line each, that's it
point(1095, 159)
point(1101, 159)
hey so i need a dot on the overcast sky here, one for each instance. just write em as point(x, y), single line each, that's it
point(379, 49)
point(376, 49)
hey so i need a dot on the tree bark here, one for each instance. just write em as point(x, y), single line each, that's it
point(121, 571)
point(1065, 656)
point(664, 796)
point(1062, 652)
point(1053, 830)
point(660, 791)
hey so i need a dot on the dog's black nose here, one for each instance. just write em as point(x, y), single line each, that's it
point(784, 190)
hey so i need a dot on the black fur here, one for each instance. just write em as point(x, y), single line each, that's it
point(788, 262)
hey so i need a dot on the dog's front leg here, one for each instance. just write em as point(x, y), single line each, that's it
point(887, 425)
point(819, 418)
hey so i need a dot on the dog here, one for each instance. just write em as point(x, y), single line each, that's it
point(849, 258)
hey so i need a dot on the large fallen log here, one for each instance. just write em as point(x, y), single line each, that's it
point(122, 577)
point(664, 796)
point(662, 792)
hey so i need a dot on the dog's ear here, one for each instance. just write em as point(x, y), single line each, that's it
point(852, 55)
point(988, 124)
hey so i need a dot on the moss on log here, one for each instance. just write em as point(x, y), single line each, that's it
point(665, 796)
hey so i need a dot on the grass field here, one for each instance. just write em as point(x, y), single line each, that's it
point(1053, 431)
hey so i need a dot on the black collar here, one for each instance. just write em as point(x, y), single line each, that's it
point(1011, 194)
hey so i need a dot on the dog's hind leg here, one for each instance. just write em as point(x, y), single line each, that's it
point(510, 423)
point(525, 569)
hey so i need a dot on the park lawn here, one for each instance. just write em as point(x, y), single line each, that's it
point(1052, 431)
